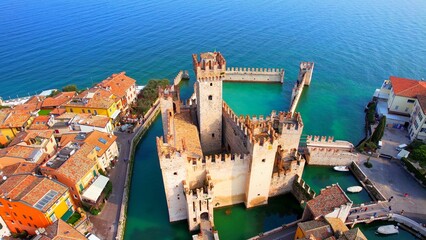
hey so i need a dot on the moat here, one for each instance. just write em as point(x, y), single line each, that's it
point(148, 216)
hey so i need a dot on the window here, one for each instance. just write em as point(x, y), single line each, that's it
point(71, 110)
point(210, 97)
point(102, 140)
point(24, 216)
point(416, 124)
point(212, 135)
point(29, 225)
point(423, 130)
point(211, 84)
point(396, 107)
point(263, 160)
point(8, 138)
point(83, 111)
point(89, 111)
point(406, 109)
point(420, 116)
point(13, 222)
point(96, 112)
point(68, 202)
point(10, 206)
point(19, 222)
point(30, 218)
point(53, 217)
point(175, 173)
point(410, 101)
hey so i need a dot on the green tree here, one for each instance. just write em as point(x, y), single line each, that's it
point(379, 131)
point(70, 88)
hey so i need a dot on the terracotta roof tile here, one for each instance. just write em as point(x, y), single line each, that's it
point(318, 228)
point(118, 84)
point(91, 120)
point(405, 87)
point(31, 189)
point(187, 133)
point(329, 199)
point(13, 118)
point(19, 151)
point(40, 123)
point(422, 102)
point(61, 230)
point(58, 100)
point(93, 98)
point(17, 168)
point(93, 138)
point(57, 111)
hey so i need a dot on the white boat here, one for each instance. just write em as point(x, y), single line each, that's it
point(341, 168)
point(388, 229)
point(354, 189)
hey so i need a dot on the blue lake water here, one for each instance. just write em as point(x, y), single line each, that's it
point(355, 46)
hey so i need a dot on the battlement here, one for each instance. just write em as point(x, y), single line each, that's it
point(224, 160)
point(164, 150)
point(289, 122)
point(306, 65)
point(323, 142)
point(209, 78)
point(209, 64)
point(240, 74)
point(205, 192)
point(169, 91)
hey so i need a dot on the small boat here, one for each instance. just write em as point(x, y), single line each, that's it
point(388, 229)
point(354, 189)
point(341, 168)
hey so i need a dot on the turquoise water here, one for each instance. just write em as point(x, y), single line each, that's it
point(369, 231)
point(354, 44)
point(320, 177)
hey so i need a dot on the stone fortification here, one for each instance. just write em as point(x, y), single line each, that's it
point(304, 79)
point(328, 152)
point(266, 75)
point(210, 157)
point(301, 190)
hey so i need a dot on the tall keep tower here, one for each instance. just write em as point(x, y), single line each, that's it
point(209, 71)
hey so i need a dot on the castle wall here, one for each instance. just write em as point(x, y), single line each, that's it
point(290, 134)
point(173, 177)
point(260, 173)
point(302, 191)
point(229, 177)
point(304, 79)
point(198, 204)
point(282, 182)
point(235, 134)
point(327, 152)
point(209, 112)
point(268, 75)
point(166, 106)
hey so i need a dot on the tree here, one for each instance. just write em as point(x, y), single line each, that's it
point(70, 88)
point(379, 131)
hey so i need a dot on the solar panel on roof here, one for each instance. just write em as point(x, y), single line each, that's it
point(45, 199)
point(97, 148)
point(102, 140)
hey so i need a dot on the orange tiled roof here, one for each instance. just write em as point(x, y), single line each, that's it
point(18, 151)
point(93, 98)
point(31, 134)
point(12, 118)
point(57, 111)
point(40, 123)
point(422, 102)
point(92, 138)
point(58, 100)
point(405, 87)
point(31, 189)
point(118, 84)
point(61, 230)
point(91, 120)
point(8, 161)
point(318, 228)
point(78, 165)
point(327, 200)
point(18, 168)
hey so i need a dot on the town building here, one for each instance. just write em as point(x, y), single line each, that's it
point(12, 122)
point(43, 140)
point(58, 100)
point(327, 228)
point(403, 94)
point(210, 157)
point(332, 202)
point(417, 127)
point(74, 165)
point(59, 230)
point(121, 86)
point(29, 202)
point(95, 101)
point(105, 145)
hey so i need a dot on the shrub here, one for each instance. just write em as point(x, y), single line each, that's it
point(70, 88)
point(368, 164)
point(379, 131)
point(148, 95)
point(417, 173)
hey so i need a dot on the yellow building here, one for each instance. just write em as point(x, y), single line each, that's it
point(76, 166)
point(95, 101)
point(12, 122)
point(29, 202)
point(403, 94)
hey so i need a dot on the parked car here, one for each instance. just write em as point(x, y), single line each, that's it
point(125, 127)
point(91, 236)
point(401, 146)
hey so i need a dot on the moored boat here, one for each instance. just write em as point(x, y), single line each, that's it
point(388, 229)
point(341, 168)
point(354, 189)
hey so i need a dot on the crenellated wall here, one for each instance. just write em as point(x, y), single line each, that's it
point(268, 75)
point(282, 181)
point(304, 79)
point(199, 204)
point(301, 190)
point(328, 152)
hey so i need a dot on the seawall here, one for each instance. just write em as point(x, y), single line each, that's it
point(265, 75)
point(152, 114)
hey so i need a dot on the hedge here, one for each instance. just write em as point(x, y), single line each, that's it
point(413, 169)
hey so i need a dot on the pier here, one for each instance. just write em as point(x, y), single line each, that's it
point(304, 79)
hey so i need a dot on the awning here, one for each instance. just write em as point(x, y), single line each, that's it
point(93, 192)
point(115, 114)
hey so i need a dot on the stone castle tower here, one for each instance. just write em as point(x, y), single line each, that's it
point(209, 71)
point(210, 157)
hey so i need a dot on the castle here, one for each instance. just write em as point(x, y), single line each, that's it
point(210, 157)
